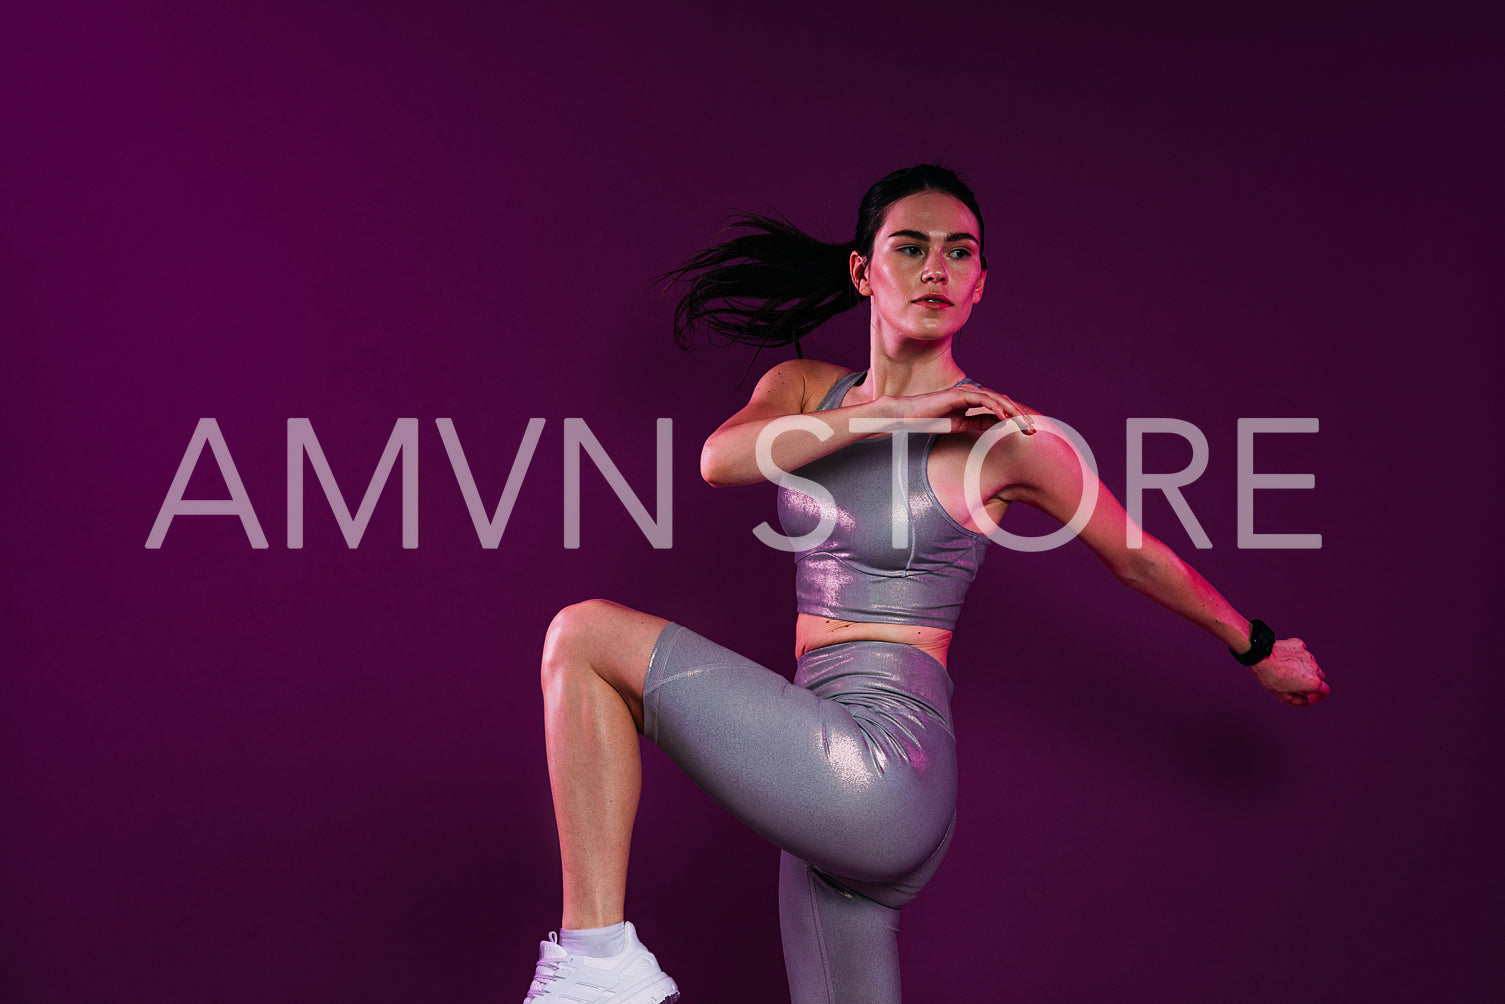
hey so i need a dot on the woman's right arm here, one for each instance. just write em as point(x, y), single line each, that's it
point(795, 387)
point(729, 456)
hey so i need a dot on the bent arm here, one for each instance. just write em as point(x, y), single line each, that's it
point(796, 387)
point(729, 456)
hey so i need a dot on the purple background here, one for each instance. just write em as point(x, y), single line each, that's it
point(234, 775)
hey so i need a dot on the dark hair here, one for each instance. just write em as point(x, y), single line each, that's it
point(772, 284)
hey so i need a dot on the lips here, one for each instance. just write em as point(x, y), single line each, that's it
point(933, 301)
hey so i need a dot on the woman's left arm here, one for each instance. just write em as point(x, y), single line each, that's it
point(1045, 472)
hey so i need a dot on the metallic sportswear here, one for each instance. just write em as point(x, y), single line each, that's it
point(857, 573)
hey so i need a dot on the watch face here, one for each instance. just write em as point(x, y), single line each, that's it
point(1261, 641)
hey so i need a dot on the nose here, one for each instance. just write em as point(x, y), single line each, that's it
point(935, 268)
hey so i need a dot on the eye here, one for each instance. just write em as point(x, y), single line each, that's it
point(961, 254)
point(909, 250)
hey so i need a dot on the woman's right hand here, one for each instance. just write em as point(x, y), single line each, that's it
point(1291, 674)
point(970, 408)
point(791, 389)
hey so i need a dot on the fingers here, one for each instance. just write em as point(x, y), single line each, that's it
point(1299, 680)
point(1309, 698)
point(1018, 414)
point(1000, 405)
point(980, 422)
point(1008, 409)
point(957, 402)
point(1301, 685)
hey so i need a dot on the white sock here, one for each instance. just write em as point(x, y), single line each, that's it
point(595, 942)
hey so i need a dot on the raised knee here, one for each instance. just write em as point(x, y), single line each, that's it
point(565, 642)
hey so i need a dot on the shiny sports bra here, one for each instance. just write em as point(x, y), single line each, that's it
point(857, 573)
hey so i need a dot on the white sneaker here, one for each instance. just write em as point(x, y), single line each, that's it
point(632, 976)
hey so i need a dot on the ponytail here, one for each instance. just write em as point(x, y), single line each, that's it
point(772, 284)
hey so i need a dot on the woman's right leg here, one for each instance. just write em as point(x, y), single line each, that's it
point(867, 799)
point(595, 658)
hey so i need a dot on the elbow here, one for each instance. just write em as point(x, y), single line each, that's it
point(1139, 568)
point(1131, 575)
point(710, 468)
point(724, 475)
point(724, 463)
point(714, 479)
point(714, 469)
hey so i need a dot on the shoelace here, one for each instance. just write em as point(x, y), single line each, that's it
point(542, 979)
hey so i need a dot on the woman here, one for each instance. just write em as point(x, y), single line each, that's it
point(852, 772)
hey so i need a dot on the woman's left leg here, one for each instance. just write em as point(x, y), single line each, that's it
point(838, 945)
point(841, 941)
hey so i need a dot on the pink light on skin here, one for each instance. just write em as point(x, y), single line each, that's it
point(926, 270)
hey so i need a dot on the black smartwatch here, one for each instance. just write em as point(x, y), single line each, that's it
point(1261, 642)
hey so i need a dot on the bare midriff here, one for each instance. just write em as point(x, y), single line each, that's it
point(812, 632)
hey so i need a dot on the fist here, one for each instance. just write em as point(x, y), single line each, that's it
point(1291, 674)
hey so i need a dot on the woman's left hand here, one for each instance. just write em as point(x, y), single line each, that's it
point(1291, 674)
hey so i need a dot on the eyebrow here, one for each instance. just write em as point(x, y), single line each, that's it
point(916, 235)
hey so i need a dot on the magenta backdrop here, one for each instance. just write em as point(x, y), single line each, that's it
point(317, 775)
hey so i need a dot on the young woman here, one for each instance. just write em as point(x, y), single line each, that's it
point(852, 771)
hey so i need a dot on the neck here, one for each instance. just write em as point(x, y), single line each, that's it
point(912, 368)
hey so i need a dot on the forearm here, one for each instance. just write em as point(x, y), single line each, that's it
point(730, 455)
point(1160, 574)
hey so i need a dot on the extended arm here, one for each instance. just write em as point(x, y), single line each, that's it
point(1046, 473)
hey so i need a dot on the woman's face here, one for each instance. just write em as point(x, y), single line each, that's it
point(926, 270)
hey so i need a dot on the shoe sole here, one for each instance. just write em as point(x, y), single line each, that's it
point(665, 985)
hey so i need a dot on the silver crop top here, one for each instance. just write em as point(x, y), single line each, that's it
point(857, 573)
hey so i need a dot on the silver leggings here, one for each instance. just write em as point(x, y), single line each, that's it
point(851, 771)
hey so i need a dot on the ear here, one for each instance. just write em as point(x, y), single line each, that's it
point(981, 280)
point(857, 265)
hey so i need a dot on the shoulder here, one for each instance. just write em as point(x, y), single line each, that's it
point(804, 380)
point(1011, 461)
point(1047, 462)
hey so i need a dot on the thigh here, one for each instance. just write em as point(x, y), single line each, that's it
point(862, 801)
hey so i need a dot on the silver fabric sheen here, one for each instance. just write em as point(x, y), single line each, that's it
point(857, 574)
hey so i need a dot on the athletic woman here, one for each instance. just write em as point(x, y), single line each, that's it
point(851, 771)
